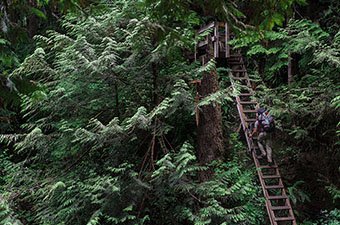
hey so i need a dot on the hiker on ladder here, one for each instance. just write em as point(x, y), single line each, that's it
point(265, 126)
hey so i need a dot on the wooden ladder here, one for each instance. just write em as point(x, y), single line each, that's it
point(278, 205)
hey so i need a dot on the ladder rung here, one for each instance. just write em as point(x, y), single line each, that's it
point(248, 103)
point(284, 219)
point(235, 55)
point(277, 197)
point(271, 176)
point(268, 167)
point(285, 207)
point(202, 43)
point(274, 186)
point(246, 94)
point(239, 71)
point(250, 120)
point(239, 78)
point(249, 110)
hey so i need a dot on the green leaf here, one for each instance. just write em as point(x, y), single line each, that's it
point(4, 42)
point(38, 13)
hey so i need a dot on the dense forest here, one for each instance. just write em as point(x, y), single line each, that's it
point(101, 121)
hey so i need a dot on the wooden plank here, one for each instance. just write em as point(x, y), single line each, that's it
point(235, 55)
point(216, 44)
point(227, 37)
point(245, 94)
point(271, 176)
point(285, 207)
point(238, 71)
point(239, 78)
point(206, 27)
point(273, 187)
point(280, 219)
point(277, 197)
point(268, 167)
point(250, 111)
point(202, 43)
point(248, 102)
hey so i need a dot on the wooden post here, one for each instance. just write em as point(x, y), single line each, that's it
point(227, 49)
point(216, 41)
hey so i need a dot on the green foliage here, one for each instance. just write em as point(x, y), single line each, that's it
point(266, 15)
point(7, 215)
point(300, 37)
point(107, 128)
point(297, 195)
point(227, 198)
point(306, 111)
point(328, 218)
point(95, 143)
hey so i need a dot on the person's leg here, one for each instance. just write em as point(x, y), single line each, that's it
point(260, 141)
point(269, 148)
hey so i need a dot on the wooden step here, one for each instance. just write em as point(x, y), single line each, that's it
point(239, 78)
point(250, 120)
point(277, 197)
point(249, 110)
point(248, 103)
point(270, 176)
point(245, 94)
point(268, 167)
point(235, 55)
point(285, 207)
point(239, 71)
point(274, 186)
point(280, 219)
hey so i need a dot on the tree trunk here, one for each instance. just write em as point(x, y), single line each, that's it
point(209, 131)
point(33, 23)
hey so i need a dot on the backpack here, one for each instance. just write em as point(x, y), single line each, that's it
point(267, 123)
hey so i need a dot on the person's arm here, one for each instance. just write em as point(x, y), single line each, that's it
point(255, 130)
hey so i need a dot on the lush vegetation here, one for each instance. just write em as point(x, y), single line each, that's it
point(97, 111)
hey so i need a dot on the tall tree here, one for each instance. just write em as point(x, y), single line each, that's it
point(209, 130)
